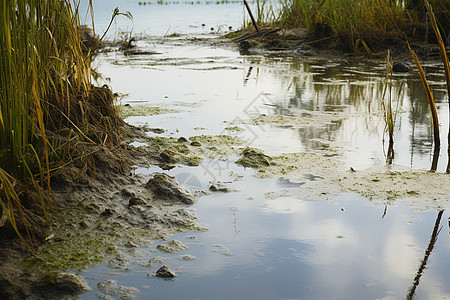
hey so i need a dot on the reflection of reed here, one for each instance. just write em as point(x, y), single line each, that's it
point(434, 236)
point(250, 69)
point(350, 91)
point(448, 151)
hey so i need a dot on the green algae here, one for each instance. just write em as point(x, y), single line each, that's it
point(193, 151)
point(84, 236)
point(287, 163)
point(254, 158)
point(234, 129)
point(80, 249)
point(390, 183)
point(125, 111)
point(299, 118)
point(237, 34)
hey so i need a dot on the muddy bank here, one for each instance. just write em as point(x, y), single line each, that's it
point(105, 211)
point(296, 41)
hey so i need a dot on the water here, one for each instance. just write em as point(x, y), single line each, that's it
point(158, 18)
point(271, 238)
point(287, 247)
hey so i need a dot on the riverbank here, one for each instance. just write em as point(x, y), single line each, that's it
point(283, 41)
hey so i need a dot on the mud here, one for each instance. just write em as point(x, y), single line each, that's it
point(102, 214)
point(172, 246)
point(109, 287)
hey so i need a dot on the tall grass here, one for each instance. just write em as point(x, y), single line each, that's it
point(441, 10)
point(350, 22)
point(434, 115)
point(45, 85)
point(364, 24)
point(43, 60)
point(444, 57)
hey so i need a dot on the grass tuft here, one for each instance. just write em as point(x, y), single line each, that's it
point(46, 98)
point(356, 24)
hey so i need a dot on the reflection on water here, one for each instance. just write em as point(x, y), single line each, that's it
point(434, 236)
point(342, 99)
point(260, 246)
point(266, 239)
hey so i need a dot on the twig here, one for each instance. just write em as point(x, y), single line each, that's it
point(251, 15)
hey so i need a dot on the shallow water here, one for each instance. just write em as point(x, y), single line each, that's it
point(287, 247)
point(269, 238)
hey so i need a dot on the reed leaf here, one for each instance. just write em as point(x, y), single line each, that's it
point(434, 115)
point(441, 45)
point(12, 201)
point(446, 65)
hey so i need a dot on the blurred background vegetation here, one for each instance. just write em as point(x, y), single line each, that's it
point(351, 23)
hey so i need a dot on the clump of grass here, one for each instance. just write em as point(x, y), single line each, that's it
point(354, 24)
point(351, 23)
point(265, 14)
point(45, 90)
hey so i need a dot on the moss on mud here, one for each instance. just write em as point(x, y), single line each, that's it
point(287, 163)
point(125, 111)
point(191, 152)
point(390, 183)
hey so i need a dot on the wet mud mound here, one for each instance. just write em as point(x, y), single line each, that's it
point(103, 211)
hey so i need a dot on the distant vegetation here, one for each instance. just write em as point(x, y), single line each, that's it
point(196, 2)
point(353, 23)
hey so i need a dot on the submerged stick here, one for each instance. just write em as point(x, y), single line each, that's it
point(251, 15)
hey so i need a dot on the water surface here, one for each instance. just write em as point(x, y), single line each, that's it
point(268, 239)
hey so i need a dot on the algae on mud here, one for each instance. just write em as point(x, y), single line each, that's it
point(125, 111)
point(95, 226)
point(181, 151)
point(387, 184)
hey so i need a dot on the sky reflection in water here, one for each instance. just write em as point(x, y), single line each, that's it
point(286, 246)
